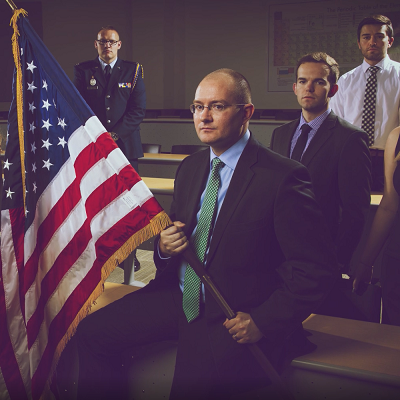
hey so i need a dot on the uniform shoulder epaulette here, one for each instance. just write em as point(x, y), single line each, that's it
point(139, 67)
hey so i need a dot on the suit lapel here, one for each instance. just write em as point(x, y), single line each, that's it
point(116, 73)
point(98, 73)
point(195, 190)
point(286, 139)
point(239, 183)
point(322, 135)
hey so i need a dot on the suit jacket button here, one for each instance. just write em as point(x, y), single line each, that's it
point(108, 108)
point(108, 121)
point(108, 96)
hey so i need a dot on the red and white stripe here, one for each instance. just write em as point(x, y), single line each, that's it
point(83, 217)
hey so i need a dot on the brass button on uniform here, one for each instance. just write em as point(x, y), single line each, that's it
point(108, 121)
point(108, 108)
point(108, 96)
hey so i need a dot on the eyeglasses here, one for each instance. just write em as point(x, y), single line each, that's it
point(104, 42)
point(214, 107)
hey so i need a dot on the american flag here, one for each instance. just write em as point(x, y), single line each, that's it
point(85, 210)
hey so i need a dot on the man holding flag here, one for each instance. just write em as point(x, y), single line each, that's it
point(252, 219)
point(72, 209)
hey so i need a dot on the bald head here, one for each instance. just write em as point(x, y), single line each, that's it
point(240, 85)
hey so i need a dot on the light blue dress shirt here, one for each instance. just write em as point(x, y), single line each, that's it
point(103, 64)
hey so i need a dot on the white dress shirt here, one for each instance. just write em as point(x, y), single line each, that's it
point(348, 102)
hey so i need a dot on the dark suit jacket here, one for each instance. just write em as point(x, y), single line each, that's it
point(121, 105)
point(339, 164)
point(270, 253)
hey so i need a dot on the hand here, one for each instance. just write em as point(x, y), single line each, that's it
point(173, 240)
point(243, 329)
point(114, 136)
point(363, 273)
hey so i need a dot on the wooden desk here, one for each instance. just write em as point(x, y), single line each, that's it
point(159, 185)
point(353, 360)
point(160, 165)
point(161, 158)
point(376, 199)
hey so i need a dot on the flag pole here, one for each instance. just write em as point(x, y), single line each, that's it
point(264, 363)
point(11, 4)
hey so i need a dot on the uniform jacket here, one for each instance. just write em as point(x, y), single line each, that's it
point(121, 105)
point(270, 253)
point(339, 164)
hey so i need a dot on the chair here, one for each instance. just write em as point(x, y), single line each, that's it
point(187, 148)
point(151, 148)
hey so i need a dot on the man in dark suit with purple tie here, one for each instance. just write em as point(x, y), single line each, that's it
point(334, 151)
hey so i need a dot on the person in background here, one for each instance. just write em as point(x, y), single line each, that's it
point(386, 228)
point(114, 90)
point(369, 95)
point(334, 151)
point(251, 217)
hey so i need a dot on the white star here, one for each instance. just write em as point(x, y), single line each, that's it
point(61, 142)
point(44, 85)
point(46, 143)
point(34, 187)
point(31, 67)
point(47, 164)
point(32, 127)
point(46, 104)
point(31, 86)
point(46, 124)
point(7, 164)
point(34, 167)
point(33, 148)
point(9, 193)
point(32, 107)
point(62, 123)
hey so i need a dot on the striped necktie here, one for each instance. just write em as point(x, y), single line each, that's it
point(192, 283)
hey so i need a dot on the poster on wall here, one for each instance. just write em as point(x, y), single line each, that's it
point(331, 27)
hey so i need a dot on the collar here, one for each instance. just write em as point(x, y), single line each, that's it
point(103, 64)
point(316, 122)
point(383, 64)
point(231, 156)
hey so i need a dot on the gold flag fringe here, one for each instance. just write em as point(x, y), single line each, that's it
point(156, 225)
point(19, 91)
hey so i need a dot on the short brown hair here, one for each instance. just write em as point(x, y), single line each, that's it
point(108, 28)
point(323, 58)
point(376, 19)
point(242, 85)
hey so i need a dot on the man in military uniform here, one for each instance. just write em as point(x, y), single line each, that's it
point(114, 90)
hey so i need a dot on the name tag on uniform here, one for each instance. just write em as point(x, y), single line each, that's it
point(125, 85)
point(92, 87)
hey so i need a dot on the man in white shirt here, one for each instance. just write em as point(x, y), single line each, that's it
point(375, 37)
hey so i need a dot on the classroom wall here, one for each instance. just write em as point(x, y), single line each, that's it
point(176, 41)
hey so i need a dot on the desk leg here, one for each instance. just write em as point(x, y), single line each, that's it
point(129, 273)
